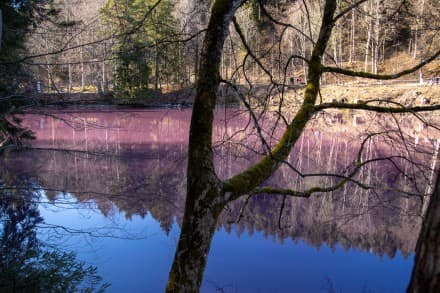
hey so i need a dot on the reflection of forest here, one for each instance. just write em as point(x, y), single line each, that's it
point(144, 171)
point(27, 263)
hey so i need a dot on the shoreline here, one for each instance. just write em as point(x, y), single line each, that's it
point(406, 94)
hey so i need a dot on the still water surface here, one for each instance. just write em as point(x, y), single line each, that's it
point(117, 201)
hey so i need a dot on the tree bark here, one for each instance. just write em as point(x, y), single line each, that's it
point(204, 200)
point(195, 239)
point(367, 43)
point(156, 66)
point(426, 272)
point(352, 37)
point(206, 194)
point(83, 78)
point(1, 29)
point(376, 43)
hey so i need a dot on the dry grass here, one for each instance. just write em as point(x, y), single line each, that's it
point(406, 93)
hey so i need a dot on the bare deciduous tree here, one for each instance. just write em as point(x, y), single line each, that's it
point(207, 195)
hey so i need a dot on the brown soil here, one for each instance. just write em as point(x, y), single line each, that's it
point(406, 93)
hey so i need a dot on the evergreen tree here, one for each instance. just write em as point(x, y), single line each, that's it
point(18, 17)
point(139, 30)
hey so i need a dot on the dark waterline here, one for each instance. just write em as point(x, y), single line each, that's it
point(123, 199)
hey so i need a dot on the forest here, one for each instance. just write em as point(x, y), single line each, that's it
point(277, 72)
point(135, 49)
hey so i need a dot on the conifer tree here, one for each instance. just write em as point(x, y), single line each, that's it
point(17, 17)
point(138, 48)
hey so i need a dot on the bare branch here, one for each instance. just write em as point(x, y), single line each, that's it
point(248, 49)
point(252, 114)
point(348, 9)
point(380, 76)
point(299, 31)
point(252, 177)
point(65, 48)
point(379, 109)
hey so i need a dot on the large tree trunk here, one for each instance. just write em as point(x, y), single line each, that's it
point(198, 228)
point(206, 194)
point(204, 200)
point(426, 272)
point(1, 29)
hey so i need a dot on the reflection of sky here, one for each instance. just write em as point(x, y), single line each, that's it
point(236, 264)
point(255, 264)
point(139, 264)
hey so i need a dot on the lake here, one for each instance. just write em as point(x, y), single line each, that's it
point(109, 186)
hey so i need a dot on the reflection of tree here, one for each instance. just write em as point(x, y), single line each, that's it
point(143, 172)
point(386, 235)
point(207, 194)
point(27, 264)
point(153, 182)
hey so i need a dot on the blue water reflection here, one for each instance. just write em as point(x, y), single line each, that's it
point(246, 264)
point(120, 209)
point(136, 254)
point(132, 255)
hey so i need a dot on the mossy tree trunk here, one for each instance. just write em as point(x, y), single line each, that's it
point(426, 272)
point(204, 201)
point(1, 28)
point(206, 193)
